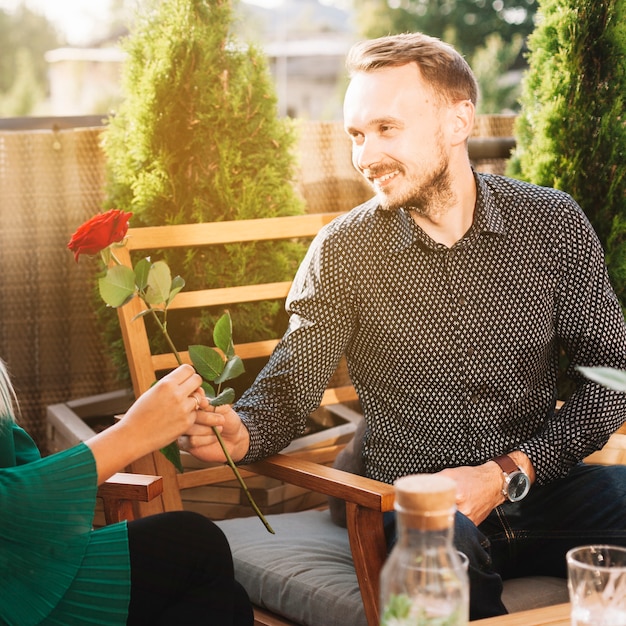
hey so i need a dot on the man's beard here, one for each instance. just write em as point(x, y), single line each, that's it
point(427, 196)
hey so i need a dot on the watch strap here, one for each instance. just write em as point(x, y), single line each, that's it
point(507, 464)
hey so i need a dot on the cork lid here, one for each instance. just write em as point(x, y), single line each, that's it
point(426, 501)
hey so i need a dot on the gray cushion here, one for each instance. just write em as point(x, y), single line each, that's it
point(521, 594)
point(305, 573)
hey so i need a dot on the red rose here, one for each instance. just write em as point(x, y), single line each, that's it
point(99, 232)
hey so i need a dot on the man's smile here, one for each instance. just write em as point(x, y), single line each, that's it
point(381, 180)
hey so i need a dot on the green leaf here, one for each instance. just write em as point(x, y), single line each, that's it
point(207, 361)
point(118, 286)
point(159, 283)
point(208, 389)
point(227, 396)
point(608, 376)
point(142, 269)
point(234, 367)
point(172, 454)
point(177, 284)
point(223, 335)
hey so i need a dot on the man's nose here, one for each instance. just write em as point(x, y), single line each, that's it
point(366, 154)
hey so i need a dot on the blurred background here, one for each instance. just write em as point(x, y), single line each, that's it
point(63, 58)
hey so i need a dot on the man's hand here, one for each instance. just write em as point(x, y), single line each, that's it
point(200, 439)
point(478, 489)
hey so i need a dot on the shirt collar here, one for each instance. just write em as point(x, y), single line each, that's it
point(403, 232)
point(487, 215)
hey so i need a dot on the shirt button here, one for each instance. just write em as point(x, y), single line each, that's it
point(474, 398)
point(470, 351)
point(462, 300)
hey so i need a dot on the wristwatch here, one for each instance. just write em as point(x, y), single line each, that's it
point(516, 481)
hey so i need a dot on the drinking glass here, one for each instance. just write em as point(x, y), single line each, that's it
point(597, 585)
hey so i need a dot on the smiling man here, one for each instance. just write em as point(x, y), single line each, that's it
point(451, 293)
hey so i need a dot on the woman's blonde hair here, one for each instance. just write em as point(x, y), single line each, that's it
point(440, 64)
point(8, 399)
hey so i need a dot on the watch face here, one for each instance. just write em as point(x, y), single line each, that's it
point(518, 486)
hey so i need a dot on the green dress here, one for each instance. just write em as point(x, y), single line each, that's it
point(54, 569)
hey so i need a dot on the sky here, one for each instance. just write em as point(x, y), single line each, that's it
point(79, 19)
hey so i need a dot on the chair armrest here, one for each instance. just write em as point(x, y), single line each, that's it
point(120, 491)
point(365, 492)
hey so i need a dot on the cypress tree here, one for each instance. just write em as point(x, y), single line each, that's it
point(196, 139)
point(571, 132)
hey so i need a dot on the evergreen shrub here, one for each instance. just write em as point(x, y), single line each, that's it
point(571, 132)
point(197, 139)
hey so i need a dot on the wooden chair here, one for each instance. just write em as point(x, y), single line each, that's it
point(145, 367)
point(365, 499)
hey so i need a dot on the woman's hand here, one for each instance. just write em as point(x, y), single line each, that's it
point(157, 418)
point(167, 409)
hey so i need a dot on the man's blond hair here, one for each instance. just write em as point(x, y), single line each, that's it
point(447, 72)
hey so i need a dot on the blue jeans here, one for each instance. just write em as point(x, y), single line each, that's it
point(531, 537)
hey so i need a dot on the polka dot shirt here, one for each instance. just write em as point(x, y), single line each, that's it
point(453, 351)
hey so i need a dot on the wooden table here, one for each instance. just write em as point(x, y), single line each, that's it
point(555, 615)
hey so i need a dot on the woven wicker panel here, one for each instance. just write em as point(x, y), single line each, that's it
point(494, 125)
point(326, 178)
point(50, 182)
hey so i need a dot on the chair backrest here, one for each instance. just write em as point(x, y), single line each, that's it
point(145, 366)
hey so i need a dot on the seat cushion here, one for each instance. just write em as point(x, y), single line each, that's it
point(305, 573)
point(521, 594)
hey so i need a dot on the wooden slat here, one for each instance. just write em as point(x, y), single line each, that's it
point(264, 618)
point(161, 362)
point(206, 234)
point(322, 455)
point(210, 476)
point(221, 473)
point(230, 295)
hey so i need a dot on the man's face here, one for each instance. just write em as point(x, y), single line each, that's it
point(397, 127)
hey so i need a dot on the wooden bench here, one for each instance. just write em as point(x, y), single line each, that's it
point(366, 499)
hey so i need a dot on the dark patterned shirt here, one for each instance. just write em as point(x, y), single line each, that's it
point(453, 351)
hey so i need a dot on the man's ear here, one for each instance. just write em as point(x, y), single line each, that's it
point(462, 121)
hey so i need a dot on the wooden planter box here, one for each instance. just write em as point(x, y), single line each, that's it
point(71, 422)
